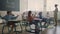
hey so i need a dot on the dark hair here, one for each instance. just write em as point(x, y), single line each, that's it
point(29, 13)
point(56, 5)
point(40, 13)
point(8, 12)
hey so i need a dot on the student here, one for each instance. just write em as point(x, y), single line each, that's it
point(30, 18)
point(48, 18)
point(40, 15)
point(55, 14)
point(32, 21)
point(10, 16)
point(47, 15)
point(43, 18)
point(23, 16)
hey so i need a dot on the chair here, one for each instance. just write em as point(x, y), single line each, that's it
point(36, 29)
point(9, 27)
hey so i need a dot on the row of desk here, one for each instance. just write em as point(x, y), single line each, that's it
point(20, 22)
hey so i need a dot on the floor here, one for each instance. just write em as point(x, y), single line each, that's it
point(55, 30)
point(52, 30)
point(49, 30)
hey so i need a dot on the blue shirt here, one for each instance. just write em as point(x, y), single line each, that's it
point(40, 16)
point(9, 17)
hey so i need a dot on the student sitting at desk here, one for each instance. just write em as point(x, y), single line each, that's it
point(10, 16)
point(42, 18)
point(30, 17)
point(48, 17)
point(40, 15)
point(32, 21)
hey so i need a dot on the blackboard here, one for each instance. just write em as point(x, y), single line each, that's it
point(12, 5)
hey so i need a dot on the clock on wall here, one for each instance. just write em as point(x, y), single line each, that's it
point(12, 5)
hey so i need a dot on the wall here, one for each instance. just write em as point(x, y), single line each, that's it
point(35, 5)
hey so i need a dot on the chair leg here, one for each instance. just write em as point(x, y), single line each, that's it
point(15, 30)
point(21, 27)
point(9, 30)
point(41, 26)
point(3, 29)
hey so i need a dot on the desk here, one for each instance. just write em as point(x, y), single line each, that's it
point(38, 19)
point(11, 22)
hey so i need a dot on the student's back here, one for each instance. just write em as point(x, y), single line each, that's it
point(30, 18)
point(9, 16)
point(40, 15)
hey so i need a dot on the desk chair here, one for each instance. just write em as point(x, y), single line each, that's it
point(8, 25)
point(36, 26)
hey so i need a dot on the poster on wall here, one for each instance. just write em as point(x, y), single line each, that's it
point(12, 5)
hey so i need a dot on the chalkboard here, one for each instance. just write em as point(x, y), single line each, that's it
point(12, 5)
